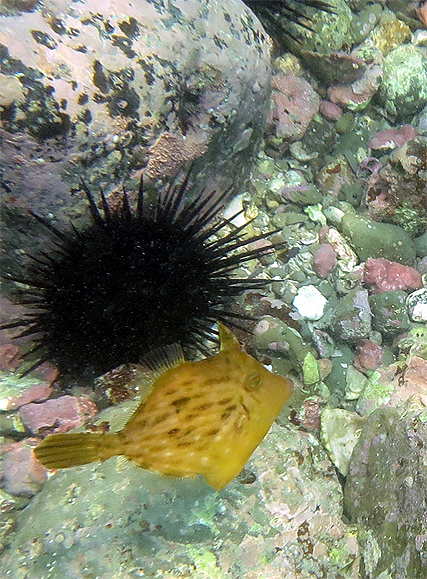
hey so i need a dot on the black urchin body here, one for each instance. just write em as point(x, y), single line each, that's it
point(134, 280)
point(271, 11)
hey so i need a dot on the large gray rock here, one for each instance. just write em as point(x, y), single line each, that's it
point(386, 491)
point(100, 90)
point(281, 518)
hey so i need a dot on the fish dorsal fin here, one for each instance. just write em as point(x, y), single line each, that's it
point(143, 381)
point(227, 339)
point(159, 360)
point(152, 365)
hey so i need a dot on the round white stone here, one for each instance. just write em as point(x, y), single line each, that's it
point(310, 303)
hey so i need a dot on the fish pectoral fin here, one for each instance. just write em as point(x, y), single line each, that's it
point(74, 449)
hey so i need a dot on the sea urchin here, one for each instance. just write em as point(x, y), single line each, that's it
point(274, 13)
point(133, 280)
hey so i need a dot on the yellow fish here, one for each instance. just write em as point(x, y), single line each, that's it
point(205, 417)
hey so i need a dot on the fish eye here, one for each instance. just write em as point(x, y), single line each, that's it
point(252, 381)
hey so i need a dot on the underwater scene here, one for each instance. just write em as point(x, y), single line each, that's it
point(213, 330)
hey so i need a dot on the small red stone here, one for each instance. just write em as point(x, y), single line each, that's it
point(307, 416)
point(330, 110)
point(384, 275)
point(324, 260)
point(422, 12)
point(370, 356)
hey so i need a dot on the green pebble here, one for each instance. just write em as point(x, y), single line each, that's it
point(372, 239)
point(310, 369)
point(342, 358)
point(308, 195)
point(352, 193)
point(278, 331)
point(288, 218)
point(421, 245)
point(345, 123)
point(318, 139)
point(389, 312)
point(364, 22)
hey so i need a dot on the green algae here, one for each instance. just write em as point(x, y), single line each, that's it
point(412, 219)
point(403, 91)
point(376, 393)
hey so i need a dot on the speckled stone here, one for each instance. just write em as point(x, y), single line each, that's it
point(328, 31)
point(352, 319)
point(100, 90)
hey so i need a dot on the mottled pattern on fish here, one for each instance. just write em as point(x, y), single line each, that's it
point(204, 417)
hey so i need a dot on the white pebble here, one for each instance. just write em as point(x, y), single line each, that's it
point(310, 303)
point(234, 207)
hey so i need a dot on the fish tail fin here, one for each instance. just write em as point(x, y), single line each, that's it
point(74, 449)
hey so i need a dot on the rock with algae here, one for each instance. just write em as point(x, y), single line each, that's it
point(280, 518)
point(372, 239)
point(386, 491)
point(403, 91)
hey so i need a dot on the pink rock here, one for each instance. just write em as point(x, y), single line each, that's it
point(21, 472)
point(393, 138)
point(58, 414)
point(370, 356)
point(414, 381)
point(40, 391)
point(422, 12)
point(324, 260)
point(295, 104)
point(330, 111)
point(358, 94)
point(9, 357)
point(308, 416)
point(384, 275)
point(323, 233)
point(416, 373)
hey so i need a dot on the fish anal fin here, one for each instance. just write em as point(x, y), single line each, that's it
point(218, 480)
point(226, 466)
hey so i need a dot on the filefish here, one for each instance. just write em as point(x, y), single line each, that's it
point(200, 418)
